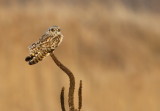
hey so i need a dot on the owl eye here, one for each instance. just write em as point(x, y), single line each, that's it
point(52, 30)
point(59, 30)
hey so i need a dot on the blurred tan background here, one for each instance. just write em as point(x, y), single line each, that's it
point(114, 47)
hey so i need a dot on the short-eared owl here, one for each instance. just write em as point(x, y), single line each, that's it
point(45, 45)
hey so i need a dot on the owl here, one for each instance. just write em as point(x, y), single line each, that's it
point(46, 44)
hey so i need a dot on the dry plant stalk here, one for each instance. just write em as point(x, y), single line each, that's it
point(80, 96)
point(62, 100)
point(71, 87)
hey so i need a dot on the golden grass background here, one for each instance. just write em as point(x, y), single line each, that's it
point(114, 50)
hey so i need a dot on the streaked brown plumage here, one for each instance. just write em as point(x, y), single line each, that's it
point(45, 45)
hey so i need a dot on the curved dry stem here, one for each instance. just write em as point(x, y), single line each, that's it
point(72, 81)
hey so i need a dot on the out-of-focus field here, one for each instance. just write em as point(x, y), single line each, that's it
point(114, 50)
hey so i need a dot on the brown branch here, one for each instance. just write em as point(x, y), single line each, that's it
point(62, 100)
point(80, 96)
point(72, 81)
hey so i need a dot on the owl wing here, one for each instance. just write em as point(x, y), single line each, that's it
point(40, 43)
point(45, 41)
point(33, 48)
point(44, 37)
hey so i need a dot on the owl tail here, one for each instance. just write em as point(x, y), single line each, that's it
point(28, 58)
point(35, 58)
point(32, 60)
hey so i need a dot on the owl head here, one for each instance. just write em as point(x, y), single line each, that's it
point(54, 30)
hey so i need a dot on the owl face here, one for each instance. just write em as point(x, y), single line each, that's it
point(54, 30)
